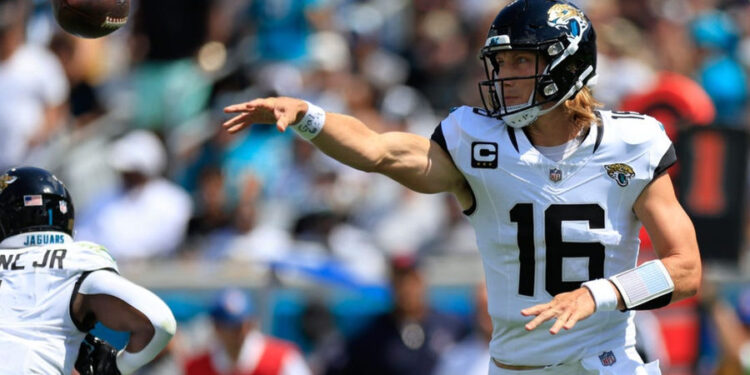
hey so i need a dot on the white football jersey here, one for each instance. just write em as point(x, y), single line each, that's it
point(39, 272)
point(544, 227)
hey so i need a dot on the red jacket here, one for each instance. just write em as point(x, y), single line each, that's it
point(269, 363)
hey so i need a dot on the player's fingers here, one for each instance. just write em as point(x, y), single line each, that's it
point(559, 323)
point(240, 119)
point(235, 129)
point(535, 310)
point(247, 106)
point(240, 124)
point(541, 318)
point(282, 123)
point(574, 317)
point(234, 108)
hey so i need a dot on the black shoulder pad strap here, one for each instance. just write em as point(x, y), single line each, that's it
point(439, 138)
point(668, 160)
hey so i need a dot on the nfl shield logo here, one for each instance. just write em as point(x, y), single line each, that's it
point(608, 358)
point(555, 175)
point(63, 207)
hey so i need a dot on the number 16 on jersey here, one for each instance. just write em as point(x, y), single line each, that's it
point(556, 249)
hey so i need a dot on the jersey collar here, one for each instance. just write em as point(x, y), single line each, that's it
point(531, 154)
point(31, 239)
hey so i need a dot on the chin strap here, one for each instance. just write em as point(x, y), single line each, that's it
point(527, 117)
point(520, 119)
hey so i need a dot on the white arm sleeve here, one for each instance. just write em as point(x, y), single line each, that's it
point(110, 283)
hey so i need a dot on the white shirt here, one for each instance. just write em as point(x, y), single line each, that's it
point(38, 275)
point(144, 222)
point(31, 80)
point(543, 227)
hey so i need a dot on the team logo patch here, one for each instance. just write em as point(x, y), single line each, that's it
point(620, 172)
point(565, 16)
point(6, 180)
point(607, 358)
point(555, 174)
point(63, 207)
point(484, 155)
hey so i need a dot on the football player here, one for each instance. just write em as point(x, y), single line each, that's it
point(555, 189)
point(53, 290)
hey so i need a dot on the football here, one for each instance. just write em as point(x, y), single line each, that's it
point(91, 18)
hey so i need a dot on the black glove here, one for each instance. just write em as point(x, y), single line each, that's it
point(96, 357)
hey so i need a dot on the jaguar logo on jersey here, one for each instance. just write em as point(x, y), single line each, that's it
point(620, 172)
point(6, 180)
point(555, 174)
point(607, 358)
point(484, 155)
point(565, 16)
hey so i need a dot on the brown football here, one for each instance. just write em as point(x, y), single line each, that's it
point(91, 18)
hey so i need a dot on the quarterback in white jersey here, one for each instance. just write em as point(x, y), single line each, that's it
point(53, 290)
point(556, 191)
point(544, 226)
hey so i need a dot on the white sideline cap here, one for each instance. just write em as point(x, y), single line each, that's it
point(139, 151)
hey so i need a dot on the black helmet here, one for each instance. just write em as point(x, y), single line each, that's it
point(556, 30)
point(32, 199)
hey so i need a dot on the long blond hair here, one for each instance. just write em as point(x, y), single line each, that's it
point(581, 108)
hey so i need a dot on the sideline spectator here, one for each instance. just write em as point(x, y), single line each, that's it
point(321, 334)
point(33, 88)
point(732, 329)
point(148, 215)
point(471, 356)
point(410, 338)
point(241, 349)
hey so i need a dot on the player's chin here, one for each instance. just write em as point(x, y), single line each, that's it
point(511, 101)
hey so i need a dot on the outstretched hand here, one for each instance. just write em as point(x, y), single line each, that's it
point(281, 111)
point(567, 308)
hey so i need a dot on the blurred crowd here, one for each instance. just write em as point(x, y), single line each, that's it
point(132, 121)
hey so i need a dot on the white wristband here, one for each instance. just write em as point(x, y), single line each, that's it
point(604, 294)
point(644, 283)
point(312, 123)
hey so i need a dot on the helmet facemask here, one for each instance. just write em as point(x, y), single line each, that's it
point(516, 115)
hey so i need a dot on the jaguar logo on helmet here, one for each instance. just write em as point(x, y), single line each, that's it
point(6, 180)
point(566, 16)
point(620, 172)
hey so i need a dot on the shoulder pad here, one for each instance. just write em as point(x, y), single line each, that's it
point(96, 256)
point(635, 128)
